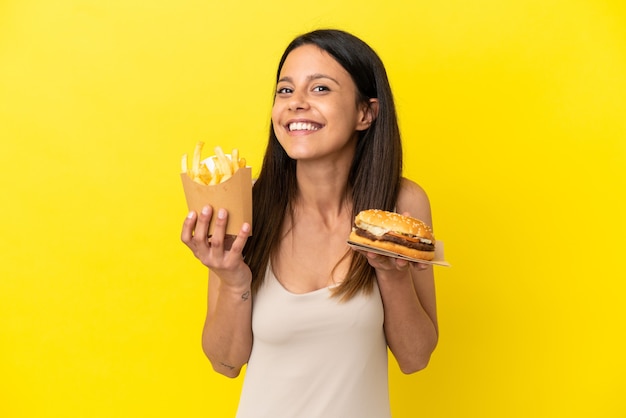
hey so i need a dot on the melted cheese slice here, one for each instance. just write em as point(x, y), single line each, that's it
point(379, 232)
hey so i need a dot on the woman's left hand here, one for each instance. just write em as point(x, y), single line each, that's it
point(385, 263)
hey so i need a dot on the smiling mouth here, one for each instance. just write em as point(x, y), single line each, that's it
point(303, 126)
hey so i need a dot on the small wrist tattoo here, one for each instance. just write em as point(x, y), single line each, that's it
point(228, 366)
point(245, 295)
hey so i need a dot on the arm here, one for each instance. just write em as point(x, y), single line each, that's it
point(408, 294)
point(410, 322)
point(227, 333)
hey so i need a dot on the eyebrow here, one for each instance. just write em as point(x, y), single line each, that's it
point(312, 77)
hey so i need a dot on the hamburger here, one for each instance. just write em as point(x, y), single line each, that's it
point(393, 232)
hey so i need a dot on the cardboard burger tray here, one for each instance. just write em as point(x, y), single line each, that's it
point(439, 259)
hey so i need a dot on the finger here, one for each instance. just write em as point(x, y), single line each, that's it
point(402, 264)
point(219, 230)
point(379, 261)
point(421, 266)
point(371, 255)
point(240, 240)
point(202, 225)
point(188, 226)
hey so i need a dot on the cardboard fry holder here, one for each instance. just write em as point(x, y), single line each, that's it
point(234, 195)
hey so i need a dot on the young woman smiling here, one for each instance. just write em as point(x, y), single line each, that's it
point(311, 318)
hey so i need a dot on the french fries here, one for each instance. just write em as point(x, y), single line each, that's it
point(221, 167)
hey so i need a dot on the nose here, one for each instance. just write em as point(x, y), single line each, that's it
point(298, 101)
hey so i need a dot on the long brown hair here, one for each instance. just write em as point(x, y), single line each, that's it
point(373, 180)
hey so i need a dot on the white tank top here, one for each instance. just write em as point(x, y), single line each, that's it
point(315, 357)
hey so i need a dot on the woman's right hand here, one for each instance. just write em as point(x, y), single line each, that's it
point(220, 253)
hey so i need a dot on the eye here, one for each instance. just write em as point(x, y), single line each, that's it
point(283, 90)
point(320, 89)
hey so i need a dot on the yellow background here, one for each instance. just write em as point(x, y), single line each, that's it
point(513, 116)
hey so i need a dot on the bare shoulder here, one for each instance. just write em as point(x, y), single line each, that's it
point(414, 200)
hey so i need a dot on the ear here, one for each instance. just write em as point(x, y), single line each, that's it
point(369, 113)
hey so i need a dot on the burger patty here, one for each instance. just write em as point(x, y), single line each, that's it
point(421, 246)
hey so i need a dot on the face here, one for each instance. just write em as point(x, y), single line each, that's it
point(315, 113)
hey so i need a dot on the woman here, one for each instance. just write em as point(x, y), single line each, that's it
point(311, 318)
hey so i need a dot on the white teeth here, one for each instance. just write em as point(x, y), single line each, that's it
point(302, 126)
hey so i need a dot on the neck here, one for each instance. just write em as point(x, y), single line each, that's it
point(322, 189)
